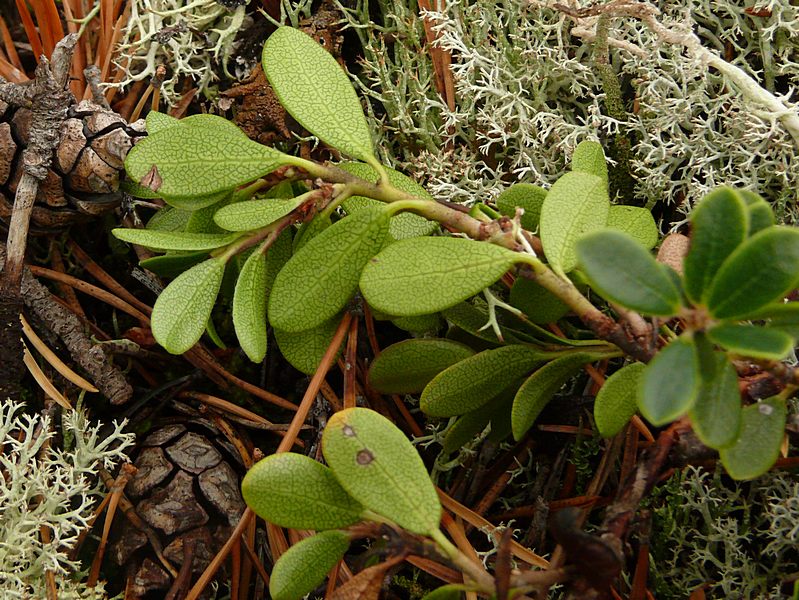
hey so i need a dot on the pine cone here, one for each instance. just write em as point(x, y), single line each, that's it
point(83, 180)
point(187, 490)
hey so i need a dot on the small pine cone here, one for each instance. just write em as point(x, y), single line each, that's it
point(83, 180)
point(187, 489)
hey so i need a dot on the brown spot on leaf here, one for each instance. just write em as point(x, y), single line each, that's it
point(364, 457)
point(348, 431)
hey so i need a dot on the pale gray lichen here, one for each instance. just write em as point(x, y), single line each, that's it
point(55, 489)
point(527, 91)
point(736, 540)
point(193, 39)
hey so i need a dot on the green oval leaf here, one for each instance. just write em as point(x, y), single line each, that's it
point(452, 591)
point(157, 121)
point(172, 265)
point(249, 307)
point(202, 220)
point(760, 271)
point(752, 341)
point(589, 157)
point(670, 383)
point(316, 91)
point(306, 564)
point(404, 225)
point(181, 311)
point(541, 386)
point(195, 202)
point(623, 272)
point(616, 402)
point(760, 214)
point(169, 219)
point(254, 214)
point(575, 205)
point(310, 230)
point(469, 384)
point(377, 465)
point(538, 303)
point(204, 157)
point(636, 222)
point(174, 240)
point(466, 427)
point(758, 444)
point(716, 415)
point(523, 195)
point(408, 366)
point(319, 280)
point(292, 490)
point(719, 224)
point(304, 349)
point(782, 316)
point(425, 275)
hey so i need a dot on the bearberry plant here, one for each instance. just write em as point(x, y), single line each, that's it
point(305, 241)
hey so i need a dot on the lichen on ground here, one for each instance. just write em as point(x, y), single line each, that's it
point(527, 91)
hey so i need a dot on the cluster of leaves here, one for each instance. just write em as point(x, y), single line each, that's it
point(374, 474)
point(739, 268)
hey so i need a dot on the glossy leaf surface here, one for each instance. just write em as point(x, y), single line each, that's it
point(538, 303)
point(474, 381)
point(523, 195)
point(576, 204)
point(752, 341)
point(452, 591)
point(377, 465)
point(716, 414)
point(623, 272)
point(203, 157)
point(293, 490)
point(318, 281)
point(249, 307)
point(616, 402)
point(540, 387)
point(781, 316)
point(719, 224)
point(316, 91)
point(408, 366)
point(173, 264)
point(304, 349)
point(589, 157)
point(254, 214)
point(760, 214)
point(760, 271)
point(425, 275)
point(758, 444)
point(636, 222)
point(305, 565)
point(158, 121)
point(175, 240)
point(670, 383)
point(169, 219)
point(181, 311)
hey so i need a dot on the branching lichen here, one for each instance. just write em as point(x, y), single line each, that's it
point(51, 489)
point(191, 39)
point(737, 540)
point(527, 90)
